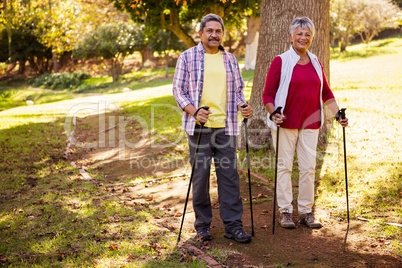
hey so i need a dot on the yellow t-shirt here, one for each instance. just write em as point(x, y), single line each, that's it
point(215, 89)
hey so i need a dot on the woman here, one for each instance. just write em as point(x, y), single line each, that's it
point(296, 82)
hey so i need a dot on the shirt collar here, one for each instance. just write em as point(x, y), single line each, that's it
point(201, 48)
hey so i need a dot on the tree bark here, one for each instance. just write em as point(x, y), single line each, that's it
point(116, 68)
point(217, 9)
point(21, 68)
point(146, 54)
point(176, 27)
point(166, 64)
point(253, 28)
point(33, 64)
point(55, 63)
point(274, 39)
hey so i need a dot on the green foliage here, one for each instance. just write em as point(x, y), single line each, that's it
point(56, 25)
point(59, 80)
point(364, 17)
point(172, 15)
point(166, 40)
point(111, 41)
point(24, 45)
point(375, 16)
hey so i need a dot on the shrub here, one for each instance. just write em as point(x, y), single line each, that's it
point(59, 80)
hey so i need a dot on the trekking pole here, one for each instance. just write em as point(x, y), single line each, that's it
point(192, 172)
point(342, 114)
point(248, 170)
point(277, 111)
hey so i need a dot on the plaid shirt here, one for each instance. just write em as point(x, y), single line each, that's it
point(188, 85)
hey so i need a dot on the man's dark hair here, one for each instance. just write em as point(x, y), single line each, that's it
point(211, 17)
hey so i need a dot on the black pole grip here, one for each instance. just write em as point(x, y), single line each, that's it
point(205, 108)
point(278, 110)
point(342, 113)
point(245, 119)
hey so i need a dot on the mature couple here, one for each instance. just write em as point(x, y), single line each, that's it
point(207, 75)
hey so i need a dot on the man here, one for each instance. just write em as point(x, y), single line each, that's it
point(207, 75)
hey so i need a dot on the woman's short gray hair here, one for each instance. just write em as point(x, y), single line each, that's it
point(211, 17)
point(303, 22)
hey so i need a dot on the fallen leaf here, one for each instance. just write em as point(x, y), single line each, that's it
point(3, 259)
point(113, 247)
point(178, 214)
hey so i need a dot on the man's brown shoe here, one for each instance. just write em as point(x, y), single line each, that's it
point(309, 220)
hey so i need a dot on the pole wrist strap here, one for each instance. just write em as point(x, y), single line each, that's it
point(270, 116)
point(196, 112)
point(338, 115)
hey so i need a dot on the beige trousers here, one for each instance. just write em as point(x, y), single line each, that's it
point(304, 141)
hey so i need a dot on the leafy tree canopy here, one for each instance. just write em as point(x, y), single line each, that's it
point(24, 45)
point(58, 24)
point(364, 17)
point(173, 14)
point(111, 42)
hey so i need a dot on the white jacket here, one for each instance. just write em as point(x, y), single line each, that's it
point(289, 61)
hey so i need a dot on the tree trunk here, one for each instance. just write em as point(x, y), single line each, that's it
point(251, 54)
point(217, 9)
point(21, 68)
point(116, 68)
point(274, 39)
point(253, 28)
point(166, 64)
point(146, 54)
point(55, 65)
point(176, 27)
point(33, 64)
point(10, 67)
point(342, 45)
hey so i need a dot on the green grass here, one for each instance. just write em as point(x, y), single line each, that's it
point(368, 71)
point(358, 51)
point(135, 80)
point(367, 80)
point(11, 97)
